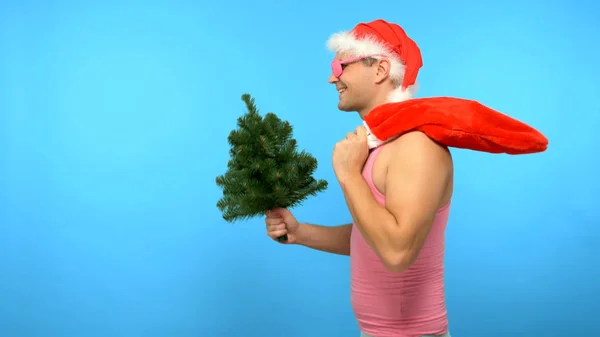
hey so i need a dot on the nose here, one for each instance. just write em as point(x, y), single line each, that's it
point(332, 79)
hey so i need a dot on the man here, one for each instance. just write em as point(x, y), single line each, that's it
point(398, 193)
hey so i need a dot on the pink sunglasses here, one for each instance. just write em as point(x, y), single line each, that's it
point(337, 65)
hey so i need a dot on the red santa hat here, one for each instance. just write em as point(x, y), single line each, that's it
point(383, 38)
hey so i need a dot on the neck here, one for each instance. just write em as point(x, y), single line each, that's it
point(380, 99)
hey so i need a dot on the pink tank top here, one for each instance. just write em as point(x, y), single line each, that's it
point(407, 304)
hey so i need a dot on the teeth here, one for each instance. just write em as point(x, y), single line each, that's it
point(341, 90)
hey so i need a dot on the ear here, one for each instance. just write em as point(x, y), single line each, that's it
point(383, 70)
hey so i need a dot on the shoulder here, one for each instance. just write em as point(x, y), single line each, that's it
point(410, 159)
point(416, 149)
point(420, 169)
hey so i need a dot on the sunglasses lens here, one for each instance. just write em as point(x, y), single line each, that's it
point(336, 68)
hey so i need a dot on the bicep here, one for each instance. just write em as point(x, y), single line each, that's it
point(417, 178)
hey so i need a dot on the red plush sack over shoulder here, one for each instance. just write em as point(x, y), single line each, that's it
point(456, 122)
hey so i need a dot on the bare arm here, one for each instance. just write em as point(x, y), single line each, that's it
point(334, 240)
point(417, 177)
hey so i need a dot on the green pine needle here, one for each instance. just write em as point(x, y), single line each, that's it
point(266, 170)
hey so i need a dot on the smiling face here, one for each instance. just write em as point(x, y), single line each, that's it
point(362, 83)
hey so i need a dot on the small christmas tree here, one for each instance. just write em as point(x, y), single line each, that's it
point(265, 170)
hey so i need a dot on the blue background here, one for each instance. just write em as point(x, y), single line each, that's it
point(113, 125)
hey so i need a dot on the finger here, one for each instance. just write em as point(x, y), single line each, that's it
point(274, 221)
point(272, 213)
point(276, 234)
point(276, 228)
point(271, 219)
point(283, 212)
point(361, 131)
point(277, 212)
point(276, 217)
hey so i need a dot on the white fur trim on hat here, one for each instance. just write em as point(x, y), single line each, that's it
point(346, 42)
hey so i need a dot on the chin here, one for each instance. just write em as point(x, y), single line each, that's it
point(345, 108)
